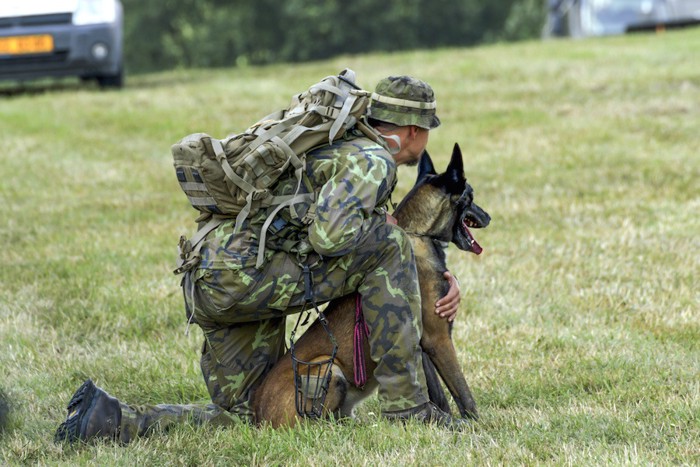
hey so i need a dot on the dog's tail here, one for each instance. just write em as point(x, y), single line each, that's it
point(435, 391)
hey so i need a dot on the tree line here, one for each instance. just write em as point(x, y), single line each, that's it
point(214, 33)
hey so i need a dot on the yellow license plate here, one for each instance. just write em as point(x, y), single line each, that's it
point(18, 45)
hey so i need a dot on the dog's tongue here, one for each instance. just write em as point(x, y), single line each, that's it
point(476, 248)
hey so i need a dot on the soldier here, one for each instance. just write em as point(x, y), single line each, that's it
point(344, 242)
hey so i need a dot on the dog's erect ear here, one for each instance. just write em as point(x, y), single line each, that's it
point(455, 171)
point(425, 166)
point(456, 167)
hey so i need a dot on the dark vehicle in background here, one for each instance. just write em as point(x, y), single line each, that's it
point(58, 38)
point(583, 18)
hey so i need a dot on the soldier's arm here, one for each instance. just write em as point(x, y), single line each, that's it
point(346, 203)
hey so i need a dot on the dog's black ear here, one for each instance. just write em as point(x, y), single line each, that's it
point(425, 166)
point(455, 169)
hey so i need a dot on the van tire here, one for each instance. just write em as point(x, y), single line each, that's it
point(115, 81)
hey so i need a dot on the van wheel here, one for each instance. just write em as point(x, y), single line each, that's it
point(111, 81)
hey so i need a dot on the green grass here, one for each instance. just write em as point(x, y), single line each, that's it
point(580, 324)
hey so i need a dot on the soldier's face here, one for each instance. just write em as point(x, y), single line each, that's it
point(413, 142)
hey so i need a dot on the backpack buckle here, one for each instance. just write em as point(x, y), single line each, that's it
point(184, 247)
point(186, 260)
point(258, 195)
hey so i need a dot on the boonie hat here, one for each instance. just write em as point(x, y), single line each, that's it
point(403, 100)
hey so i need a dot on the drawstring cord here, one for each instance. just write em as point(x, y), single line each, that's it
point(358, 357)
point(191, 305)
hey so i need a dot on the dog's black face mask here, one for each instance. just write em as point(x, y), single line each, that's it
point(467, 213)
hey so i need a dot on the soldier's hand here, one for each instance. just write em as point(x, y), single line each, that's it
point(390, 219)
point(448, 305)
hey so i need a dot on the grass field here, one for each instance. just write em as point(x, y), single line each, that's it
point(580, 324)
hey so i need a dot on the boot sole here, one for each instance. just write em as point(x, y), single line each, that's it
point(82, 403)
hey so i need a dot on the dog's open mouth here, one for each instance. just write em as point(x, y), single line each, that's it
point(472, 217)
point(474, 246)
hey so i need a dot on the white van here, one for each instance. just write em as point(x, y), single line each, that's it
point(56, 38)
point(584, 18)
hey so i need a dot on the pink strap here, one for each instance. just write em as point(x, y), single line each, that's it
point(358, 357)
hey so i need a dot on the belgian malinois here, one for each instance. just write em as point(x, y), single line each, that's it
point(439, 209)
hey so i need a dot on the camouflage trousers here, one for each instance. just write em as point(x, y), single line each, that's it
point(243, 321)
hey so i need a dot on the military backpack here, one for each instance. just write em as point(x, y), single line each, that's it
point(234, 177)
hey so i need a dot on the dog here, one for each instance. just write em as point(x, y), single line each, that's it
point(438, 210)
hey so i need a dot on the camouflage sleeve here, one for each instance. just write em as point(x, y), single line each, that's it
point(362, 180)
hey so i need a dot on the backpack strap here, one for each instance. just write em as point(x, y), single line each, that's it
point(254, 194)
point(284, 201)
point(342, 118)
point(235, 178)
point(189, 250)
point(370, 132)
point(340, 122)
point(275, 130)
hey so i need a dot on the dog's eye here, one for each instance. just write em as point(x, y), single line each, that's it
point(467, 196)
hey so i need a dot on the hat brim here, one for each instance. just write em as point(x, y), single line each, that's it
point(434, 123)
point(402, 118)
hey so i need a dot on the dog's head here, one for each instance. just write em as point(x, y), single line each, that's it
point(451, 203)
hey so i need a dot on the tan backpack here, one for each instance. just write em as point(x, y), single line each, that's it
point(234, 177)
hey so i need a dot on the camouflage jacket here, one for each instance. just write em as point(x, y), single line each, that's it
point(352, 181)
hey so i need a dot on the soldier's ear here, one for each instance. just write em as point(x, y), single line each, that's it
point(425, 167)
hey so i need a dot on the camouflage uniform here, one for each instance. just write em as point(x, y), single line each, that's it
point(347, 245)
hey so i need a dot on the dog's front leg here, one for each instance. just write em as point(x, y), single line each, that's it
point(438, 345)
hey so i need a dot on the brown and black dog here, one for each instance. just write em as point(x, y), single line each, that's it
point(438, 210)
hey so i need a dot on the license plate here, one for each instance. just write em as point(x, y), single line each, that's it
point(18, 45)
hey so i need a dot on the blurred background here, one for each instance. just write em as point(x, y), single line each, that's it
point(104, 39)
point(211, 33)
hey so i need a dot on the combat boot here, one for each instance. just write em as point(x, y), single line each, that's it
point(92, 413)
point(427, 413)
